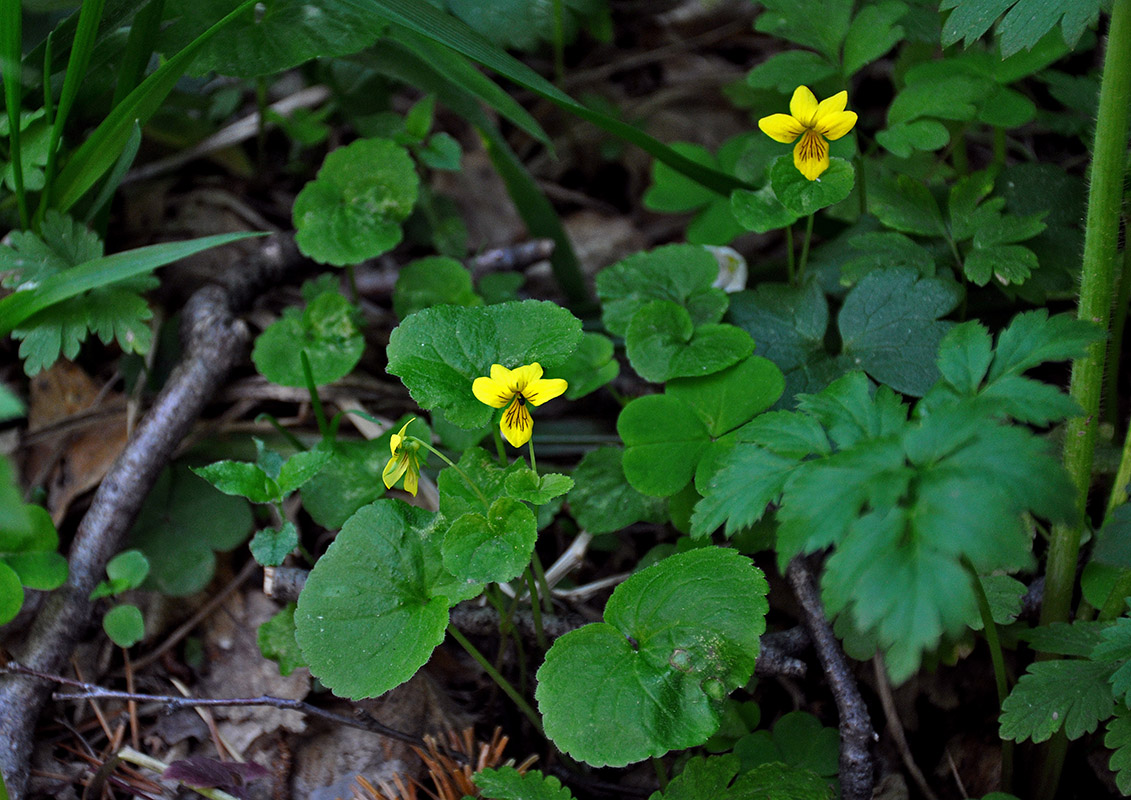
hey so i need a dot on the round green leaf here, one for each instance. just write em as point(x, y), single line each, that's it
point(183, 520)
point(677, 637)
point(491, 548)
point(354, 209)
point(440, 351)
point(733, 396)
point(42, 569)
point(271, 546)
point(760, 211)
point(530, 487)
point(11, 593)
point(276, 640)
point(664, 440)
point(590, 367)
point(433, 281)
point(128, 569)
point(680, 273)
point(602, 501)
point(124, 625)
point(274, 35)
point(662, 344)
point(371, 612)
point(803, 196)
point(325, 330)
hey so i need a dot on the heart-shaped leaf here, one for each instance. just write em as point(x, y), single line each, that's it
point(664, 440)
point(733, 396)
point(648, 679)
point(662, 343)
point(491, 548)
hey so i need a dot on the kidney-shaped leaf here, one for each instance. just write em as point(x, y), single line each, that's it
point(371, 612)
point(495, 547)
point(438, 352)
point(677, 638)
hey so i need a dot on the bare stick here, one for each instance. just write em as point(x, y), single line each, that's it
point(856, 734)
point(895, 727)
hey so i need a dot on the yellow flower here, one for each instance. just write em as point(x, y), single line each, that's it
point(405, 460)
point(517, 387)
point(814, 122)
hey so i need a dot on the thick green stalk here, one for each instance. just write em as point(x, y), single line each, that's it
point(1096, 288)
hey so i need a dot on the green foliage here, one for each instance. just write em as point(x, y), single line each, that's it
point(1118, 740)
point(803, 197)
point(271, 546)
point(1024, 23)
point(649, 678)
point(1053, 694)
point(491, 547)
point(505, 783)
point(28, 545)
point(353, 210)
point(433, 281)
point(274, 36)
point(276, 640)
point(523, 26)
point(270, 479)
point(352, 477)
point(883, 495)
point(590, 367)
point(376, 603)
point(724, 778)
point(115, 312)
point(326, 330)
point(798, 740)
point(663, 343)
point(182, 522)
point(124, 625)
point(666, 436)
point(602, 501)
point(681, 274)
point(127, 570)
point(440, 351)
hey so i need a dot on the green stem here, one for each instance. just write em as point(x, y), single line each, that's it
point(533, 462)
point(1115, 341)
point(1122, 476)
point(497, 677)
point(543, 587)
point(1001, 678)
point(536, 609)
point(1102, 227)
point(789, 255)
point(478, 492)
point(805, 249)
point(502, 451)
point(315, 400)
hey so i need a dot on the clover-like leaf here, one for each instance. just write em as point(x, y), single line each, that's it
point(648, 679)
point(325, 330)
point(662, 343)
point(602, 501)
point(376, 603)
point(733, 396)
point(530, 487)
point(124, 625)
point(438, 352)
point(664, 439)
point(678, 273)
point(803, 196)
point(494, 547)
point(271, 546)
point(354, 208)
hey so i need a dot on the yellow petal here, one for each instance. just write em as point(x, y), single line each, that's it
point(516, 423)
point(781, 127)
point(500, 373)
point(836, 125)
point(811, 155)
point(412, 479)
point(524, 376)
point(803, 106)
point(540, 391)
point(492, 392)
point(393, 471)
point(830, 105)
point(397, 438)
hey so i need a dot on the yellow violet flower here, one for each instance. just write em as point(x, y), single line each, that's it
point(814, 122)
point(517, 387)
point(405, 460)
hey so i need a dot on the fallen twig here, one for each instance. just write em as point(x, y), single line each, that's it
point(856, 734)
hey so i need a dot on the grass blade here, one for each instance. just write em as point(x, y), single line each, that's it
point(102, 148)
point(18, 306)
point(11, 44)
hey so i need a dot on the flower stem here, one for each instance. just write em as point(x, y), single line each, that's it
point(805, 249)
point(789, 254)
point(1100, 243)
point(543, 587)
point(533, 462)
point(478, 492)
point(989, 627)
point(536, 609)
point(497, 677)
point(502, 451)
point(315, 401)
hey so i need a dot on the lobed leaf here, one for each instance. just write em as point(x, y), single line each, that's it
point(1053, 694)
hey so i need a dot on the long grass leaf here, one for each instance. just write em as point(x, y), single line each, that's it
point(115, 14)
point(11, 36)
point(90, 15)
point(103, 146)
point(434, 24)
point(139, 49)
point(114, 179)
point(18, 306)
